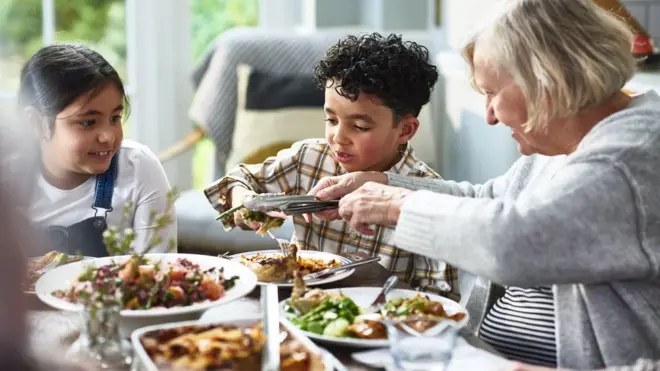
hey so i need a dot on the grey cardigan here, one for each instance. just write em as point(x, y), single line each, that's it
point(587, 223)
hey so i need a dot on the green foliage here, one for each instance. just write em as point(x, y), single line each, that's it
point(101, 24)
point(209, 18)
point(21, 22)
point(121, 242)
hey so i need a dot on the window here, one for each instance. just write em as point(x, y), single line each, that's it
point(152, 43)
point(27, 25)
point(437, 21)
point(99, 24)
point(137, 38)
point(209, 18)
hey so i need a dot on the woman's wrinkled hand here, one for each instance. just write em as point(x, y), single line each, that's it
point(336, 187)
point(372, 204)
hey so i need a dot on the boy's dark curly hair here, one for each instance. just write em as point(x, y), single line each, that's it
point(396, 72)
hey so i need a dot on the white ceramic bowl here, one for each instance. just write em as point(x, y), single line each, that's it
point(146, 364)
point(60, 277)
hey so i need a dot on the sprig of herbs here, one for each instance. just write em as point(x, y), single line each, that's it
point(118, 243)
point(107, 290)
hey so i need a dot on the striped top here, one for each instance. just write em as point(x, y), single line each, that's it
point(521, 326)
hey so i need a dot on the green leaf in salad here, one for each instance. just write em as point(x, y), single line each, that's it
point(328, 311)
point(404, 307)
point(337, 328)
point(393, 304)
point(230, 282)
point(289, 308)
point(88, 274)
point(314, 327)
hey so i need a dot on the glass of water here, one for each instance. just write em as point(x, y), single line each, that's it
point(421, 346)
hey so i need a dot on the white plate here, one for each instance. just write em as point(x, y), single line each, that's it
point(60, 277)
point(35, 258)
point(363, 297)
point(147, 364)
point(310, 254)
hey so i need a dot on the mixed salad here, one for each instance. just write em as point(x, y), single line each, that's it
point(336, 315)
point(332, 317)
point(266, 221)
point(142, 284)
point(419, 306)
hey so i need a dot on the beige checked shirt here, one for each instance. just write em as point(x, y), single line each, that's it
point(295, 171)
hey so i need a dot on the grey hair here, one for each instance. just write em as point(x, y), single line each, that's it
point(565, 55)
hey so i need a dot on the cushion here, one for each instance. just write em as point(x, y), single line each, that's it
point(273, 112)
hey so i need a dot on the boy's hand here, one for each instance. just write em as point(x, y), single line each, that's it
point(238, 196)
point(336, 187)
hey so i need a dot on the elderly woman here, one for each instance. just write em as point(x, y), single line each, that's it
point(573, 228)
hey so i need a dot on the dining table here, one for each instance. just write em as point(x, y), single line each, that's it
point(52, 332)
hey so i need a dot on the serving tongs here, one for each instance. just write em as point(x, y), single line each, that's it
point(289, 205)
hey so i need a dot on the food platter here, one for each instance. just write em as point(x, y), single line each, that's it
point(146, 344)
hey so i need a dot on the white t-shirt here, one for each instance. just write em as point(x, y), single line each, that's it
point(140, 179)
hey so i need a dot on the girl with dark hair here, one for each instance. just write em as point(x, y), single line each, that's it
point(75, 101)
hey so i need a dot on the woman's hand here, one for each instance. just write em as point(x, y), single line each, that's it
point(373, 203)
point(336, 187)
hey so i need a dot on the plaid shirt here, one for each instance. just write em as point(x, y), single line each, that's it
point(295, 171)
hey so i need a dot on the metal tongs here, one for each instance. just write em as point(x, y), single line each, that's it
point(290, 205)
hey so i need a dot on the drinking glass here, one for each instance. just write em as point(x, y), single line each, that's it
point(100, 343)
point(414, 349)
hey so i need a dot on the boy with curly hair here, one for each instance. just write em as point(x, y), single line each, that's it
point(375, 87)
